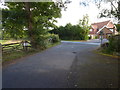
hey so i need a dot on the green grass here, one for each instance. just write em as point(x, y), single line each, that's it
point(3, 41)
point(106, 53)
point(15, 55)
point(9, 41)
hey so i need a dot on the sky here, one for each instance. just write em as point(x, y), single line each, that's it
point(75, 12)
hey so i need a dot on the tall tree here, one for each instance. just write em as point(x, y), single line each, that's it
point(84, 23)
point(35, 17)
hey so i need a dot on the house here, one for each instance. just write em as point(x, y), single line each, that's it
point(107, 27)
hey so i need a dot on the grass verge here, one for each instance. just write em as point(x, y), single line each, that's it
point(102, 52)
point(75, 40)
point(14, 55)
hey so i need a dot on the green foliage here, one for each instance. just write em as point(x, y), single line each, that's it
point(44, 40)
point(84, 21)
point(113, 45)
point(118, 27)
point(71, 32)
point(96, 37)
point(84, 24)
point(54, 38)
point(74, 32)
point(13, 21)
point(30, 20)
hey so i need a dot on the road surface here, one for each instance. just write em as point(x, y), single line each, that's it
point(68, 65)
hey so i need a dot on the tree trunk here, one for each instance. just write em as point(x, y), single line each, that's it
point(30, 25)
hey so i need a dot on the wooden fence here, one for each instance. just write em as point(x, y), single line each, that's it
point(13, 47)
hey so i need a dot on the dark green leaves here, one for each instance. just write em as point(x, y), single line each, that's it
point(15, 18)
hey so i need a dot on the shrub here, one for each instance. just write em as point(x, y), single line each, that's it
point(96, 37)
point(71, 32)
point(41, 42)
point(118, 27)
point(54, 38)
point(114, 43)
point(113, 46)
point(105, 45)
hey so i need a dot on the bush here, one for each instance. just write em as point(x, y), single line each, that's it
point(118, 27)
point(43, 41)
point(105, 45)
point(96, 37)
point(54, 38)
point(113, 46)
point(71, 32)
point(114, 43)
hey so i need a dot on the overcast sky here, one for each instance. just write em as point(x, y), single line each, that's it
point(75, 11)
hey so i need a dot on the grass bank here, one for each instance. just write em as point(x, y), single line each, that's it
point(105, 53)
point(15, 55)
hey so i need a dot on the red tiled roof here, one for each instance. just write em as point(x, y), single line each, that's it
point(99, 24)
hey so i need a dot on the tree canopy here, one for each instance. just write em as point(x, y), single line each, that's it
point(31, 19)
point(74, 32)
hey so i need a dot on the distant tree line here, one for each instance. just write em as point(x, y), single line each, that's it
point(71, 32)
point(74, 32)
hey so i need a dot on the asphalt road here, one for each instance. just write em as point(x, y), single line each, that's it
point(68, 65)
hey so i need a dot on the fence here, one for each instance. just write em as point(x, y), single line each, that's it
point(14, 47)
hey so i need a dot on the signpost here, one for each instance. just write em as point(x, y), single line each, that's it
point(101, 36)
point(25, 45)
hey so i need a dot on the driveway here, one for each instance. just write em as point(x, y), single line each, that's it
point(68, 65)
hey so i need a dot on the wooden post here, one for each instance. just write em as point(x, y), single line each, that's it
point(101, 35)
